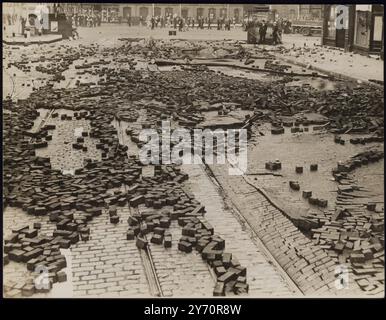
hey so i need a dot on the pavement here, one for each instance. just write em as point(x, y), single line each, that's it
point(298, 49)
point(308, 50)
point(44, 39)
point(109, 265)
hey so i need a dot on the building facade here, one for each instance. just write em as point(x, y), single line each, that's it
point(360, 31)
point(294, 12)
point(117, 12)
point(18, 14)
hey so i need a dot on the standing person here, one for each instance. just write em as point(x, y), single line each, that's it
point(209, 23)
point(262, 32)
point(141, 21)
point(275, 33)
point(180, 24)
point(280, 30)
point(152, 21)
point(23, 22)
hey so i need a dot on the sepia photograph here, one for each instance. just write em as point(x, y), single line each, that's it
point(181, 150)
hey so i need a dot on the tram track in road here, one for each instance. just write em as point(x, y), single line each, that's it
point(146, 255)
point(244, 221)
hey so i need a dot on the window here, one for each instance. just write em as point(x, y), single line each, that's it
point(331, 27)
point(223, 13)
point(157, 11)
point(169, 11)
point(200, 12)
point(362, 34)
point(378, 27)
point(126, 12)
point(143, 12)
point(212, 13)
point(184, 13)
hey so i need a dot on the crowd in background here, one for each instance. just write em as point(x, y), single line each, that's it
point(189, 23)
point(86, 19)
point(277, 28)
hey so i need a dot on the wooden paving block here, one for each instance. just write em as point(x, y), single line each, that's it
point(219, 289)
point(185, 246)
point(157, 239)
point(141, 243)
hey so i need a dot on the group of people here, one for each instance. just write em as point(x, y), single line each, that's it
point(93, 19)
point(184, 24)
point(262, 28)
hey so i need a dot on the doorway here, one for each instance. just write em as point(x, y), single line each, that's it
point(340, 35)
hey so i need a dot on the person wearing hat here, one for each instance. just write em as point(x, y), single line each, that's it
point(262, 32)
point(275, 33)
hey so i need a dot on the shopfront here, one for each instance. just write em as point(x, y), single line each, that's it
point(361, 31)
point(368, 36)
point(337, 26)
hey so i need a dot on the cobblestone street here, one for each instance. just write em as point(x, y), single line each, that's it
point(85, 216)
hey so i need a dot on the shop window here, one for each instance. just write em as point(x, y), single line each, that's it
point(331, 23)
point(362, 28)
point(236, 14)
point(378, 27)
